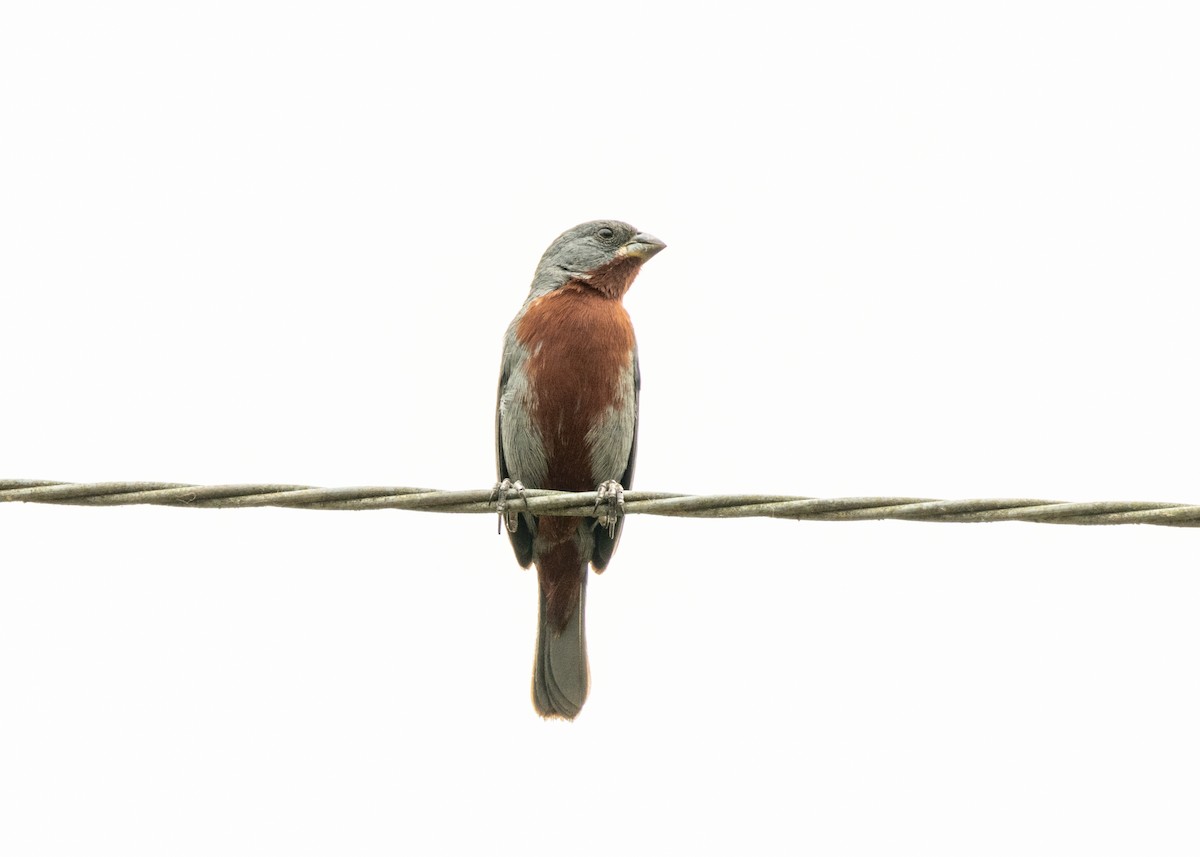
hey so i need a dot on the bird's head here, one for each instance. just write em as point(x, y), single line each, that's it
point(604, 255)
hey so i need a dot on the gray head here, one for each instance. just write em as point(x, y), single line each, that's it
point(581, 252)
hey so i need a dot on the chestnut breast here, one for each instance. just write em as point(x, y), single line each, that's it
point(580, 370)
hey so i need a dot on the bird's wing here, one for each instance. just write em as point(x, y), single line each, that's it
point(522, 539)
point(606, 545)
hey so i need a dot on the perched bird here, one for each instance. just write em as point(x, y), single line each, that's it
point(566, 418)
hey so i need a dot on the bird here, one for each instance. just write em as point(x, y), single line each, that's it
point(567, 419)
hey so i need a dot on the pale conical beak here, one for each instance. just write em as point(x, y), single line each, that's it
point(641, 246)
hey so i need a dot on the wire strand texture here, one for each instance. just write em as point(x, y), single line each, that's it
point(544, 502)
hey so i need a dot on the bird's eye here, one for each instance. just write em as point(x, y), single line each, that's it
point(604, 233)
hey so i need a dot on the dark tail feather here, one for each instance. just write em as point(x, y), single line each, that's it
point(560, 666)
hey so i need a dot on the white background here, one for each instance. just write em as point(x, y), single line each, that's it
point(923, 249)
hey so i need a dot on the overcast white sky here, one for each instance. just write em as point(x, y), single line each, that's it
point(926, 249)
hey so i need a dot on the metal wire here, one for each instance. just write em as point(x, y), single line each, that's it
point(577, 505)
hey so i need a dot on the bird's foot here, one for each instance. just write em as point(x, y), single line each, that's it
point(611, 496)
point(502, 494)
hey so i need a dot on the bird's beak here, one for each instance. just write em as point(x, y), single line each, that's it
point(641, 246)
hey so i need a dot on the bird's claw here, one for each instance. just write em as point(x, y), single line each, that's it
point(502, 495)
point(611, 496)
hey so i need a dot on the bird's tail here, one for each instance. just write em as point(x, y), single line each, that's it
point(560, 665)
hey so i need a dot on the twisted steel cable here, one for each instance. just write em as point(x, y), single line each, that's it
point(544, 502)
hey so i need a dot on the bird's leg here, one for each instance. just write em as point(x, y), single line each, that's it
point(502, 494)
point(611, 496)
